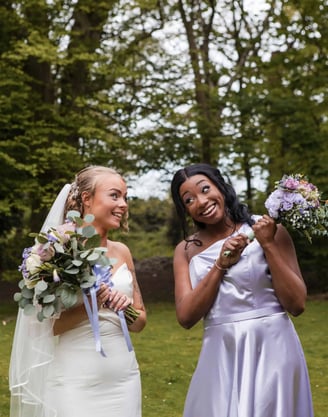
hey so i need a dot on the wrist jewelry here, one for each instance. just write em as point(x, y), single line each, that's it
point(219, 267)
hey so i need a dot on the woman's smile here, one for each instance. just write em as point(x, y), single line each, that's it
point(209, 210)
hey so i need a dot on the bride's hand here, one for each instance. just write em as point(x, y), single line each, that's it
point(118, 301)
point(103, 295)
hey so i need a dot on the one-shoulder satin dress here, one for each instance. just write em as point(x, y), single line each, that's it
point(82, 383)
point(251, 363)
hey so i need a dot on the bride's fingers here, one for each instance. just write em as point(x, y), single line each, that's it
point(119, 301)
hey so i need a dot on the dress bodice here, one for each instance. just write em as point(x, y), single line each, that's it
point(246, 289)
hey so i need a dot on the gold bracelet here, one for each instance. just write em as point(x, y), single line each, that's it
point(217, 266)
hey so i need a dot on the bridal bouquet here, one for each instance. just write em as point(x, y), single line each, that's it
point(63, 263)
point(296, 203)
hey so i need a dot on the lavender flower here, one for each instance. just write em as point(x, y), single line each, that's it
point(296, 203)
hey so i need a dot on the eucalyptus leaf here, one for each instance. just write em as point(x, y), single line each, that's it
point(34, 234)
point(59, 248)
point(41, 239)
point(57, 305)
point(24, 301)
point(72, 271)
point(104, 261)
point(40, 316)
point(84, 254)
point(88, 281)
point(89, 218)
point(48, 298)
point(68, 297)
point(93, 242)
point(48, 311)
point(87, 284)
point(72, 214)
point(21, 284)
point(88, 231)
point(77, 262)
point(78, 221)
point(17, 296)
point(93, 256)
point(27, 293)
point(41, 286)
point(101, 249)
point(29, 309)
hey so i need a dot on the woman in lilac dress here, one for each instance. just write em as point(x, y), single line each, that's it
point(251, 363)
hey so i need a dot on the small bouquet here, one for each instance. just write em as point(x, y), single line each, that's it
point(64, 262)
point(296, 204)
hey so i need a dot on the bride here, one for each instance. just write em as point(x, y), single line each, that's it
point(55, 370)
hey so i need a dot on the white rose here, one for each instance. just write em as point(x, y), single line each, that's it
point(31, 283)
point(33, 263)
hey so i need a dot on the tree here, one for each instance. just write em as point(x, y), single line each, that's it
point(147, 84)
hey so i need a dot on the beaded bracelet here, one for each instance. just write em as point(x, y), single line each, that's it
point(217, 266)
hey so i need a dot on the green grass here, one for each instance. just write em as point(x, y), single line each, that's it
point(167, 355)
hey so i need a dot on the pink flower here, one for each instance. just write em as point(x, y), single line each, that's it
point(61, 231)
point(291, 183)
point(46, 252)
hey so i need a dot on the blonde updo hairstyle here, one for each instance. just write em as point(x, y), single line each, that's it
point(86, 180)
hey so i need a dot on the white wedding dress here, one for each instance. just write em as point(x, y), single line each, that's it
point(251, 363)
point(79, 381)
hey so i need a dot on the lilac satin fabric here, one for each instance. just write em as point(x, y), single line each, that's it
point(251, 363)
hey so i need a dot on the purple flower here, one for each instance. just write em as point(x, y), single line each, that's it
point(295, 202)
point(22, 268)
point(291, 199)
point(273, 203)
point(291, 183)
point(55, 276)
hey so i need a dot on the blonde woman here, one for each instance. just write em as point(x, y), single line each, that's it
point(69, 378)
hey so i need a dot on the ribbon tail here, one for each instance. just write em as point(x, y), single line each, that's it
point(92, 312)
point(125, 330)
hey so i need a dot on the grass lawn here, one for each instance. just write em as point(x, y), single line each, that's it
point(167, 355)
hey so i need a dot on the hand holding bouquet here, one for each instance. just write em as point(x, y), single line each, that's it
point(296, 203)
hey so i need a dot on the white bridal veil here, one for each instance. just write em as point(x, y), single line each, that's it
point(33, 346)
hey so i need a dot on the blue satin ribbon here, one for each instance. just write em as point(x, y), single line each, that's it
point(103, 275)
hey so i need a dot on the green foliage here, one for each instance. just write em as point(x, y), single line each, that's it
point(58, 266)
point(167, 355)
point(82, 85)
point(148, 228)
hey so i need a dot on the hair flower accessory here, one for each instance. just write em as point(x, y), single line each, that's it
point(296, 203)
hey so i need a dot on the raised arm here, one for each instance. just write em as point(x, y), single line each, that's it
point(281, 256)
point(194, 303)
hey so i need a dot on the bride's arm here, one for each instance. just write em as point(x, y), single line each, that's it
point(137, 301)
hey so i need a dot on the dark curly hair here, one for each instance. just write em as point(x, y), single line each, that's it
point(235, 210)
